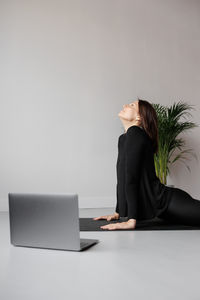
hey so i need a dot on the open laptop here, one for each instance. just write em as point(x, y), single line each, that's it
point(46, 221)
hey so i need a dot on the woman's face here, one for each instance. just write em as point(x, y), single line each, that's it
point(130, 111)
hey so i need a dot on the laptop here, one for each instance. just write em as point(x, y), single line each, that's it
point(46, 221)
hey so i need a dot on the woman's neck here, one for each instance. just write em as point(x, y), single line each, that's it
point(128, 124)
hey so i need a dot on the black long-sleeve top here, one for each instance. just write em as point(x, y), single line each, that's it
point(140, 194)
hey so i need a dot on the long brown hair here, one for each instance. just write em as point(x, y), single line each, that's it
point(149, 121)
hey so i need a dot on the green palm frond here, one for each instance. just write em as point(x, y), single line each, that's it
point(170, 127)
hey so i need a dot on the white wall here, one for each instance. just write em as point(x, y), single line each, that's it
point(67, 67)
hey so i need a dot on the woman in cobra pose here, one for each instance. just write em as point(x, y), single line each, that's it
point(140, 194)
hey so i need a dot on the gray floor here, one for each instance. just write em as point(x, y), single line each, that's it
point(124, 265)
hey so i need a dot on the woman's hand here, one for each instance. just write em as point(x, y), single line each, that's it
point(114, 216)
point(130, 224)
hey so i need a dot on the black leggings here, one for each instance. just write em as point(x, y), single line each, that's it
point(182, 208)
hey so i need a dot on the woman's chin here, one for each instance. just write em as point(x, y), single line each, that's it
point(121, 117)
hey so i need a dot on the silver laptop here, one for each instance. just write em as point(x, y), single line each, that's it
point(46, 221)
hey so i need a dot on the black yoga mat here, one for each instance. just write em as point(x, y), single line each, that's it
point(88, 224)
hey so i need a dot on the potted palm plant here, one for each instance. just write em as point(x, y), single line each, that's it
point(169, 127)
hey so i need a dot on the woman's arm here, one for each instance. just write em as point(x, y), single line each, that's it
point(117, 196)
point(134, 156)
point(117, 193)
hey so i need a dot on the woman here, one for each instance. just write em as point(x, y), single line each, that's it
point(140, 194)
